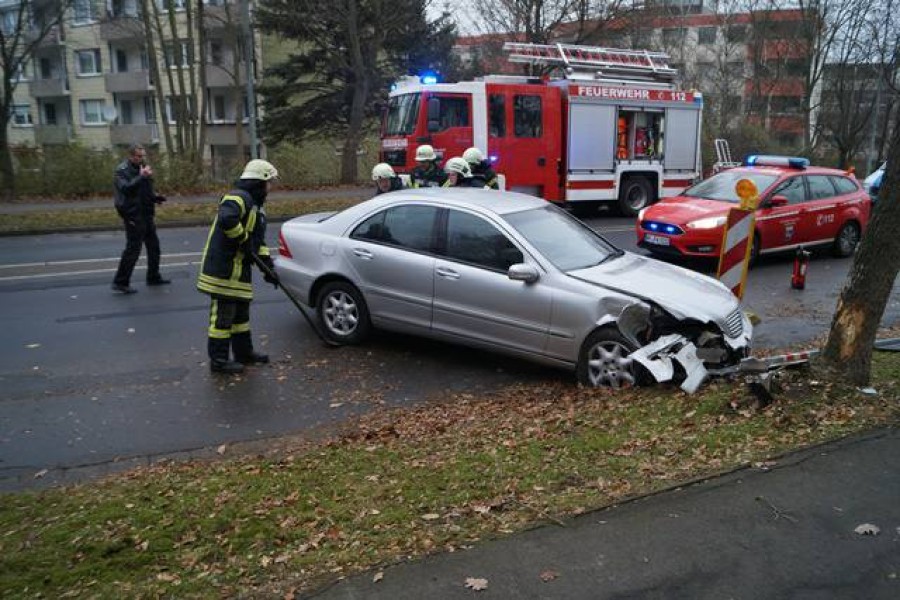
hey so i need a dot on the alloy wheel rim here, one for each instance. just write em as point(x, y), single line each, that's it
point(609, 365)
point(341, 313)
point(849, 239)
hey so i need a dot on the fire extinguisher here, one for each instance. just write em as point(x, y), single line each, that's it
point(801, 264)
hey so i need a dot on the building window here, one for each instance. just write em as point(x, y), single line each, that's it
point(84, 11)
point(179, 54)
point(527, 119)
point(149, 109)
point(180, 109)
point(21, 117)
point(126, 112)
point(706, 35)
point(46, 67)
point(736, 33)
point(673, 35)
point(21, 72)
point(92, 112)
point(125, 8)
point(164, 5)
point(10, 21)
point(49, 114)
point(121, 58)
point(217, 108)
point(88, 62)
point(216, 53)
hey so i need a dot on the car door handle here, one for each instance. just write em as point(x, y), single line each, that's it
point(447, 273)
point(363, 253)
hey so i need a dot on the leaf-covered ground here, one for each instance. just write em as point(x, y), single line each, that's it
point(404, 483)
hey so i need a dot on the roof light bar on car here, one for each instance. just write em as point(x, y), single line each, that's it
point(768, 160)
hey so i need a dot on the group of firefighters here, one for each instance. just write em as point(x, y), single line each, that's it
point(469, 170)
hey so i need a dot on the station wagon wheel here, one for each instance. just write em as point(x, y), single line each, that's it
point(847, 239)
point(604, 361)
point(342, 313)
point(636, 193)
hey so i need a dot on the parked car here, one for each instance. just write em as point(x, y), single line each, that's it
point(505, 272)
point(799, 205)
point(872, 183)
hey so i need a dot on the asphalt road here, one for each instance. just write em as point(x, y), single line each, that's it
point(95, 382)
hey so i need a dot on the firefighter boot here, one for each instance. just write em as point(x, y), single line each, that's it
point(218, 358)
point(242, 346)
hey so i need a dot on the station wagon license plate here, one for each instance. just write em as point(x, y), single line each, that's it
point(657, 239)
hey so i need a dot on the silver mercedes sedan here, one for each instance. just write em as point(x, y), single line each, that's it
point(510, 273)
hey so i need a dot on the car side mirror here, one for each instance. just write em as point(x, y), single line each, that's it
point(434, 126)
point(776, 201)
point(523, 272)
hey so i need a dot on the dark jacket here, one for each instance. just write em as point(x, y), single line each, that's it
point(484, 174)
point(396, 184)
point(239, 228)
point(431, 176)
point(134, 195)
point(469, 182)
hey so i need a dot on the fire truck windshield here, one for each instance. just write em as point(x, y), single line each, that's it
point(403, 111)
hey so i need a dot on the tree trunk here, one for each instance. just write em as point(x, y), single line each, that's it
point(7, 172)
point(153, 52)
point(848, 350)
point(349, 164)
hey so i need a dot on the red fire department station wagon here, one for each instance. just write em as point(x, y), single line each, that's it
point(614, 129)
point(798, 205)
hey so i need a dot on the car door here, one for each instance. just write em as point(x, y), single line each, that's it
point(474, 297)
point(390, 255)
point(819, 222)
point(779, 226)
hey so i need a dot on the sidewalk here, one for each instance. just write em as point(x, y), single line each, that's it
point(26, 207)
point(787, 532)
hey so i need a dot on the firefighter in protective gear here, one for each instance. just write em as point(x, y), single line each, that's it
point(428, 171)
point(385, 179)
point(237, 232)
point(459, 174)
point(481, 169)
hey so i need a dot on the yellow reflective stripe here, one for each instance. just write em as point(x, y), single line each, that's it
point(236, 231)
point(223, 291)
point(238, 199)
point(264, 251)
point(238, 266)
point(240, 328)
point(447, 184)
point(225, 283)
point(213, 331)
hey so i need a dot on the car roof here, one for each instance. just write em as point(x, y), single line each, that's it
point(792, 171)
point(494, 201)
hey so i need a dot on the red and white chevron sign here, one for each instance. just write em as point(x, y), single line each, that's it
point(735, 255)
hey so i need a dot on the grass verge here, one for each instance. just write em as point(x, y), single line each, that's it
point(403, 483)
point(173, 213)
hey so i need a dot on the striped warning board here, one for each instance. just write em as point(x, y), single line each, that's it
point(735, 255)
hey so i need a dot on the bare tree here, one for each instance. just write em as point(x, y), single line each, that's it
point(848, 350)
point(25, 26)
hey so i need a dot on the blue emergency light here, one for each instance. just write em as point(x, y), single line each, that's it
point(768, 160)
point(428, 78)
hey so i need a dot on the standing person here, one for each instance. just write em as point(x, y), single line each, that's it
point(481, 169)
point(238, 232)
point(385, 179)
point(428, 171)
point(459, 174)
point(136, 203)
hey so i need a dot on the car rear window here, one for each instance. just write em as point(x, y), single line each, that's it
point(820, 187)
point(844, 185)
point(721, 186)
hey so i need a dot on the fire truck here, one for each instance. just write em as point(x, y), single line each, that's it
point(612, 128)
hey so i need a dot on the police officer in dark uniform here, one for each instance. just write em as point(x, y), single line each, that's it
point(428, 171)
point(385, 179)
point(238, 231)
point(136, 202)
point(481, 169)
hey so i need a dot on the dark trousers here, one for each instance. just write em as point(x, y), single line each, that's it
point(229, 326)
point(140, 231)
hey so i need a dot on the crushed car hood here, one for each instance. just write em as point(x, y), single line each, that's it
point(683, 293)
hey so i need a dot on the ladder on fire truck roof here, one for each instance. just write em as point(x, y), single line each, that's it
point(610, 62)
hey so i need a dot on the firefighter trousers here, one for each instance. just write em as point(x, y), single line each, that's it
point(229, 327)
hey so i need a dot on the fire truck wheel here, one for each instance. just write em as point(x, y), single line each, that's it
point(847, 239)
point(636, 193)
point(604, 361)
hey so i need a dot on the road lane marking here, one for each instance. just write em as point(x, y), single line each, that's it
point(90, 272)
point(81, 261)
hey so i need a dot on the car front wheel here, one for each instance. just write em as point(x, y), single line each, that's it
point(604, 361)
point(847, 239)
point(342, 313)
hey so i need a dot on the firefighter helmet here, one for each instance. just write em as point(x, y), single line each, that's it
point(473, 156)
point(425, 152)
point(259, 169)
point(382, 171)
point(458, 165)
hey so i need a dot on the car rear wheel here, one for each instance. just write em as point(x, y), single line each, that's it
point(847, 239)
point(604, 361)
point(636, 193)
point(342, 313)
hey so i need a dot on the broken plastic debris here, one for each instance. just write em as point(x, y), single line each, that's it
point(131, 330)
point(867, 529)
point(33, 346)
point(868, 391)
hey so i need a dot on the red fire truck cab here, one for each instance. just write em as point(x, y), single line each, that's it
point(613, 129)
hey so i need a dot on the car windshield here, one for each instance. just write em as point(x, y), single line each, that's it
point(402, 114)
point(562, 239)
point(721, 187)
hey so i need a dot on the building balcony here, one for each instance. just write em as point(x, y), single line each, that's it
point(53, 37)
point(130, 81)
point(218, 17)
point(225, 134)
point(134, 134)
point(118, 29)
point(218, 77)
point(45, 135)
point(49, 88)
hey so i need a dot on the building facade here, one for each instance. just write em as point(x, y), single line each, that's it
point(95, 79)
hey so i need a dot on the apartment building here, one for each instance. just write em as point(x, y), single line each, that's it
point(93, 80)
